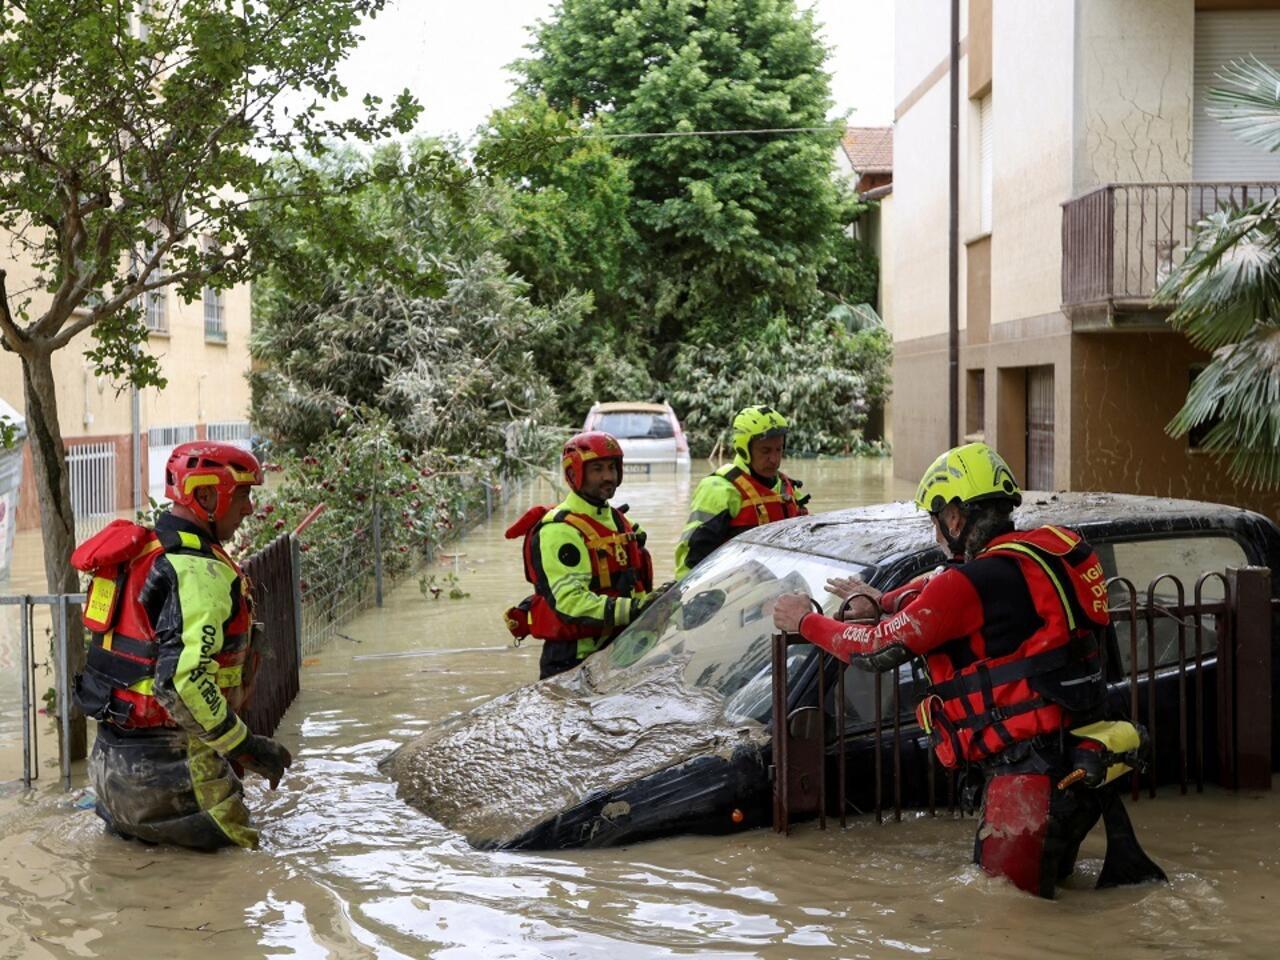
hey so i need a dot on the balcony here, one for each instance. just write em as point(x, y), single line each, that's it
point(1121, 241)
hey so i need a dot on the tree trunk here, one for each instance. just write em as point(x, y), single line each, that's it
point(57, 519)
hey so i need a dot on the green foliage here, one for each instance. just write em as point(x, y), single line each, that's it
point(422, 500)
point(134, 140)
point(824, 380)
point(730, 231)
point(1227, 300)
point(137, 162)
point(452, 362)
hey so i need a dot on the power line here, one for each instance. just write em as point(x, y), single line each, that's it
point(705, 133)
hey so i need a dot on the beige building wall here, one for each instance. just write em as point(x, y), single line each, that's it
point(1134, 65)
point(886, 290)
point(206, 384)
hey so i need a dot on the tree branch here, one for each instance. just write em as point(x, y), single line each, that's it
point(14, 337)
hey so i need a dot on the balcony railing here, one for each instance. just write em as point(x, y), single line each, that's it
point(1121, 241)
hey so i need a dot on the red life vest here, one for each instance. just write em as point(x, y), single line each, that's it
point(979, 705)
point(762, 504)
point(117, 684)
point(620, 567)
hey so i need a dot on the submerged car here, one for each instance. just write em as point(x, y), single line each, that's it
point(668, 730)
point(650, 434)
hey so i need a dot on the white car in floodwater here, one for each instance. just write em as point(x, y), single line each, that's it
point(650, 434)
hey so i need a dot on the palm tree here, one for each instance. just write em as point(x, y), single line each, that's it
point(1227, 299)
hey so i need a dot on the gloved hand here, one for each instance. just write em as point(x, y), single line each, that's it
point(264, 757)
point(662, 588)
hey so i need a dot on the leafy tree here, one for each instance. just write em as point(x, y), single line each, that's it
point(450, 359)
point(1227, 295)
point(824, 379)
point(132, 146)
point(731, 231)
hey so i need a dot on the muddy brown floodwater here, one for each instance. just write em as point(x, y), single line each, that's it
point(348, 870)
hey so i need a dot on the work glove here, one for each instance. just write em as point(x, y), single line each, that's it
point(264, 757)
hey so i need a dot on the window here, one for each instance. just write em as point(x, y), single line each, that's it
point(636, 425)
point(145, 11)
point(985, 175)
point(716, 628)
point(975, 404)
point(1186, 557)
point(215, 322)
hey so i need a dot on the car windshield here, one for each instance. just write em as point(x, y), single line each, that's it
point(718, 621)
point(636, 425)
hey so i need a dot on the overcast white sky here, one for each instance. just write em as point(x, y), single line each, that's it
point(452, 55)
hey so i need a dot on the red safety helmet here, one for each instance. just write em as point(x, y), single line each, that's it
point(207, 463)
point(592, 445)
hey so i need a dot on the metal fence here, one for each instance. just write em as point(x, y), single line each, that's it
point(276, 648)
point(238, 432)
point(332, 597)
point(92, 469)
point(273, 573)
point(1166, 638)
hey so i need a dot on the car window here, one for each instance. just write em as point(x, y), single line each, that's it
point(719, 622)
point(636, 425)
point(1141, 561)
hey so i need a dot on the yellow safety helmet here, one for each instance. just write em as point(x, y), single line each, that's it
point(756, 423)
point(967, 474)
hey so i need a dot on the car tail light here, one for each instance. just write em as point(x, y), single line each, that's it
point(682, 445)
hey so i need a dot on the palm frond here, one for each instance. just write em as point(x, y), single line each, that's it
point(1239, 393)
point(1250, 105)
point(1230, 278)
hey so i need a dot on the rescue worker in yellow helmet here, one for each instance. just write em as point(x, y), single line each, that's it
point(1012, 637)
point(746, 493)
point(170, 617)
point(586, 560)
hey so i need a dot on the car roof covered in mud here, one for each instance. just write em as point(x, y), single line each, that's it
point(882, 534)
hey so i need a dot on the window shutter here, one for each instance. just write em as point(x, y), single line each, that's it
point(985, 178)
point(1223, 36)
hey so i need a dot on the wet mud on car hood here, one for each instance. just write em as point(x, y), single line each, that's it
point(524, 757)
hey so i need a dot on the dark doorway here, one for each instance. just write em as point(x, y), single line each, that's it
point(1039, 428)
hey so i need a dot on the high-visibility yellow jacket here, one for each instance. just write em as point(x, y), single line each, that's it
point(729, 501)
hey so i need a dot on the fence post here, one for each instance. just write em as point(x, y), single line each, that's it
point(64, 690)
point(377, 554)
point(1251, 676)
point(25, 659)
point(295, 577)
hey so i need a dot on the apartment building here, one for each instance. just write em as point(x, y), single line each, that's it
point(203, 351)
point(1086, 157)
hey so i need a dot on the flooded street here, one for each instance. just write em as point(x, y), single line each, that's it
point(348, 870)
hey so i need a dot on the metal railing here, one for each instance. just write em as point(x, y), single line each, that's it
point(92, 469)
point(273, 576)
point(238, 432)
point(1223, 728)
point(1121, 241)
point(60, 607)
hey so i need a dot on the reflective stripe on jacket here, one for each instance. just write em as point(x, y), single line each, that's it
point(176, 639)
point(728, 502)
point(1009, 638)
point(589, 569)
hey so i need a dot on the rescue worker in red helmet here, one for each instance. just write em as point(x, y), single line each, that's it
point(1012, 637)
point(749, 492)
point(586, 560)
point(170, 617)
